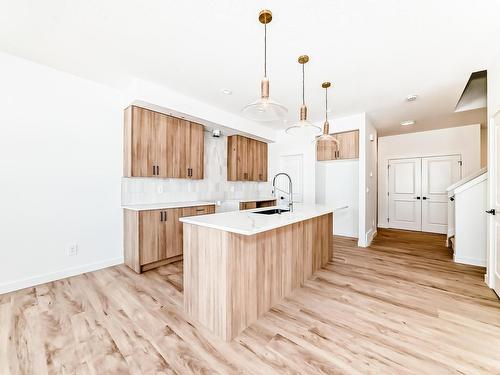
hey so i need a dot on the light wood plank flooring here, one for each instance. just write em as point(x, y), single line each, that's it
point(399, 307)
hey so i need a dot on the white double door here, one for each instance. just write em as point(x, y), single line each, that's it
point(417, 192)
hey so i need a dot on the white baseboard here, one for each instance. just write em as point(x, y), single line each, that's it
point(62, 274)
point(369, 236)
point(470, 261)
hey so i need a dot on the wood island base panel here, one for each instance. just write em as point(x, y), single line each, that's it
point(230, 279)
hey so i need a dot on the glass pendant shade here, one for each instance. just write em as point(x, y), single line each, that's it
point(303, 128)
point(264, 109)
point(326, 136)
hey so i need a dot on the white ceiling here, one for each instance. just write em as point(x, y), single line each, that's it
point(375, 52)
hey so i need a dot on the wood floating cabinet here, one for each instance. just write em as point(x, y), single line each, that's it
point(257, 204)
point(246, 159)
point(153, 238)
point(348, 147)
point(158, 145)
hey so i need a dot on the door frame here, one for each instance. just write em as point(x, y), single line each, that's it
point(491, 166)
point(386, 166)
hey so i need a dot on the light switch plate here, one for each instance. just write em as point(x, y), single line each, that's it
point(72, 249)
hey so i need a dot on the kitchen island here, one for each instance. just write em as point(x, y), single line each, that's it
point(238, 265)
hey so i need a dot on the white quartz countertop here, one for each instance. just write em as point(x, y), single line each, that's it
point(161, 206)
point(249, 223)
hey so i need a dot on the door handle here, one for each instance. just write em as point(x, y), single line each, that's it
point(491, 212)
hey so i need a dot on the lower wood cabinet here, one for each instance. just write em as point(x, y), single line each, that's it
point(153, 238)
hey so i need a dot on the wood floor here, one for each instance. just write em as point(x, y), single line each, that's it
point(399, 307)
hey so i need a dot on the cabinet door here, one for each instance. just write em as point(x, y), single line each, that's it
point(149, 236)
point(253, 160)
point(242, 159)
point(174, 232)
point(143, 139)
point(161, 123)
point(177, 133)
point(195, 150)
point(348, 145)
point(232, 158)
point(263, 161)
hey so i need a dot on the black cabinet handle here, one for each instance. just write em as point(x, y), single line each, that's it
point(154, 171)
point(491, 212)
point(164, 215)
point(416, 198)
point(425, 198)
point(157, 170)
point(161, 215)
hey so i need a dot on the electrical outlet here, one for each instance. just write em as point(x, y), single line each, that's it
point(72, 249)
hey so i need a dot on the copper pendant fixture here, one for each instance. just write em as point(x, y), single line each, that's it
point(326, 136)
point(265, 109)
point(303, 128)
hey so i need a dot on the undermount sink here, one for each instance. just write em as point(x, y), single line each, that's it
point(273, 211)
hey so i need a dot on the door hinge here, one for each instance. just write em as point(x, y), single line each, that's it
point(387, 219)
point(387, 193)
point(388, 166)
point(460, 162)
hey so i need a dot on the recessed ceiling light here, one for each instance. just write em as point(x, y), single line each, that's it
point(226, 91)
point(407, 122)
point(411, 98)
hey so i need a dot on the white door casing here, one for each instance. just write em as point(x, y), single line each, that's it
point(438, 173)
point(404, 193)
point(494, 203)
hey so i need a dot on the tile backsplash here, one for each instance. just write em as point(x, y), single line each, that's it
point(214, 187)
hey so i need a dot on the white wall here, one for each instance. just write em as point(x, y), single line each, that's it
point(60, 160)
point(463, 140)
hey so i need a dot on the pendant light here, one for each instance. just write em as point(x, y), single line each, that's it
point(265, 109)
point(303, 128)
point(326, 136)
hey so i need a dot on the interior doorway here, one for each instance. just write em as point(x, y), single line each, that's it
point(417, 192)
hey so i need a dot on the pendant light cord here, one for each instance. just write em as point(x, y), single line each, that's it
point(303, 85)
point(265, 50)
point(326, 104)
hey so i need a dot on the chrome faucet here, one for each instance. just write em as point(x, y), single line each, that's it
point(289, 192)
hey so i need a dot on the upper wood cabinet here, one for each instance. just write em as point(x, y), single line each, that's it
point(348, 147)
point(246, 159)
point(158, 145)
